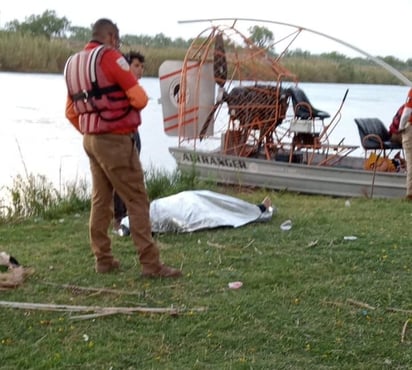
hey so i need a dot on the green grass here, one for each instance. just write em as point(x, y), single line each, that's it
point(291, 313)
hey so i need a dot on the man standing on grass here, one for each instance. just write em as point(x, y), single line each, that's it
point(104, 102)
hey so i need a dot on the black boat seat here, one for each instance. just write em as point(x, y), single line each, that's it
point(302, 106)
point(374, 135)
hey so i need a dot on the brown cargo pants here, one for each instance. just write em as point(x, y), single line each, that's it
point(115, 165)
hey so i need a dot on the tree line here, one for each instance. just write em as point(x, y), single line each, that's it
point(49, 26)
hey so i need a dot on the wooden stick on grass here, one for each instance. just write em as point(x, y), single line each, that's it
point(404, 330)
point(334, 303)
point(360, 304)
point(76, 288)
point(394, 309)
point(100, 311)
point(61, 307)
point(210, 244)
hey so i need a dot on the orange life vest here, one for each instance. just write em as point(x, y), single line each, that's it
point(103, 107)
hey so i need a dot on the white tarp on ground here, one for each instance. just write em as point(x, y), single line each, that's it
point(202, 209)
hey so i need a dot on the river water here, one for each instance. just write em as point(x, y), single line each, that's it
point(36, 138)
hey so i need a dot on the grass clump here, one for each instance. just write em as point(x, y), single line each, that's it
point(36, 196)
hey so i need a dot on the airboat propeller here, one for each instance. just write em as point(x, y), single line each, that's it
point(220, 76)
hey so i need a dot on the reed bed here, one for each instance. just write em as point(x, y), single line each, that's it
point(22, 53)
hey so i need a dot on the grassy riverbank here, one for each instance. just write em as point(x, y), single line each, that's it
point(310, 299)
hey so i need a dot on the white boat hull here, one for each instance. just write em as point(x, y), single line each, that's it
point(310, 179)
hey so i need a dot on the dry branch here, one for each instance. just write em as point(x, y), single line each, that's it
point(249, 244)
point(59, 307)
point(334, 303)
point(404, 330)
point(394, 309)
point(76, 288)
point(92, 315)
point(210, 244)
point(360, 304)
point(98, 311)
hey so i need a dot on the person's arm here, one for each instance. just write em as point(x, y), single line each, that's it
point(118, 71)
point(71, 114)
point(137, 96)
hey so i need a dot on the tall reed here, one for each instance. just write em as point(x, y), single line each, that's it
point(23, 53)
point(35, 196)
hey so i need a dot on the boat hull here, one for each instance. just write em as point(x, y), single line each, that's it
point(339, 180)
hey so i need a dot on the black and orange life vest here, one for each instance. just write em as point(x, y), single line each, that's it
point(103, 107)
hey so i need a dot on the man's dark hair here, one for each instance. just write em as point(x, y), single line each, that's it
point(102, 27)
point(134, 55)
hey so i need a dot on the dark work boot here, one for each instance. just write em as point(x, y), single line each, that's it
point(162, 271)
point(107, 266)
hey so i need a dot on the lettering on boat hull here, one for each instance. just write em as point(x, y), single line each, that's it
point(291, 176)
point(214, 160)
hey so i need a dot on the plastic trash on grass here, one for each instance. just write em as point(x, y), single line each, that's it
point(286, 226)
point(235, 284)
